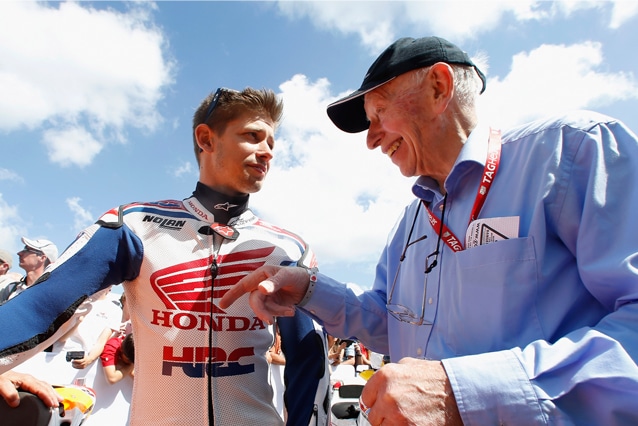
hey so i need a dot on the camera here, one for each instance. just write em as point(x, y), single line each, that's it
point(71, 355)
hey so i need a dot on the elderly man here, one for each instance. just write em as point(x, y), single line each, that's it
point(507, 290)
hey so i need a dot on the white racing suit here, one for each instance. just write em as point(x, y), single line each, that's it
point(195, 363)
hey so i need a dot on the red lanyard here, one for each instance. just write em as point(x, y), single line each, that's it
point(489, 172)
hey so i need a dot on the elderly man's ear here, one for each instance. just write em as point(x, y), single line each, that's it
point(441, 79)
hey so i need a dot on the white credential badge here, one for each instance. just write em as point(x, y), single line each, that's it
point(490, 230)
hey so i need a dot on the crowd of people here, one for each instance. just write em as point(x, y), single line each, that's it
point(99, 332)
point(506, 294)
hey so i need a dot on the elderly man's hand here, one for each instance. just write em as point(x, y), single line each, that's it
point(411, 392)
point(273, 291)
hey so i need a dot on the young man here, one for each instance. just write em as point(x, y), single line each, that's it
point(195, 363)
point(508, 290)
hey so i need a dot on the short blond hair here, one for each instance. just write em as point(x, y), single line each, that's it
point(231, 104)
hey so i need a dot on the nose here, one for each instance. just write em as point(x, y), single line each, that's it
point(265, 151)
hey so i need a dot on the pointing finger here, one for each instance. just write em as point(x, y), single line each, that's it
point(247, 284)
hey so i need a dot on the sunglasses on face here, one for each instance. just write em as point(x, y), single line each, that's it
point(30, 250)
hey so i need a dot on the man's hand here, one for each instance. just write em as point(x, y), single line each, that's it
point(11, 381)
point(411, 392)
point(274, 291)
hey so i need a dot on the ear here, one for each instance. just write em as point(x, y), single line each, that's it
point(205, 137)
point(441, 78)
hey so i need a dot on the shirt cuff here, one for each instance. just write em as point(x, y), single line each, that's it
point(493, 388)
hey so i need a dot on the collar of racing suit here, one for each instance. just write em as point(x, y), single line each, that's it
point(224, 207)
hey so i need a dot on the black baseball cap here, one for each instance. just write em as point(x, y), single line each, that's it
point(405, 54)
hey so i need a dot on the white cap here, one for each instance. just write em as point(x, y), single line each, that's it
point(45, 246)
point(6, 257)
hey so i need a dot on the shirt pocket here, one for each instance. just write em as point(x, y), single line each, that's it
point(491, 301)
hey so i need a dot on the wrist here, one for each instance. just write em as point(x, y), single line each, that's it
point(312, 282)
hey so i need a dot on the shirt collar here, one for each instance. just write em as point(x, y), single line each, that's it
point(474, 152)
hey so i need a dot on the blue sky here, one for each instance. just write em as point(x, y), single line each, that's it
point(96, 101)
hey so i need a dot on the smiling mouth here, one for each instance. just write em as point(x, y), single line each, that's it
point(260, 168)
point(390, 152)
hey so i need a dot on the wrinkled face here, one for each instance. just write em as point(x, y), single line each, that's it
point(399, 114)
point(238, 160)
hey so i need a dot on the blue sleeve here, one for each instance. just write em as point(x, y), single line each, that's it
point(305, 353)
point(98, 258)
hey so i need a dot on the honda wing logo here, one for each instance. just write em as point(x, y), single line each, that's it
point(189, 286)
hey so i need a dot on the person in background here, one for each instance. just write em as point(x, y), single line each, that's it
point(354, 355)
point(176, 258)
point(118, 358)
point(34, 258)
point(277, 360)
point(93, 330)
point(6, 263)
point(508, 289)
point(336, 350)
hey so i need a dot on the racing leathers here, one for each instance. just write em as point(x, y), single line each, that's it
point(195, 363)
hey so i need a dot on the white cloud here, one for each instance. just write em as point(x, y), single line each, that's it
point(71, 146)
point(185, 168)
point(623, 11)
point(11, 228)
point(340, 196)
point(73, 64)
point(81, 217)
point(620, 11)
point(10, 175)
point(377, 22)
point(555, 78)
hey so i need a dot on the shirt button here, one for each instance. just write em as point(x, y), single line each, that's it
point(419, 351)
point(430, 301)
point(441, 207)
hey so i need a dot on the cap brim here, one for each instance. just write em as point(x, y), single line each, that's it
point(348, 113)
point(29, 243)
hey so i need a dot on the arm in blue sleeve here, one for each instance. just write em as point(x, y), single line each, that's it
point(347, 311)
point(98, 258)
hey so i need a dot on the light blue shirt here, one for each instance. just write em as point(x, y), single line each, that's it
point(539, 329)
